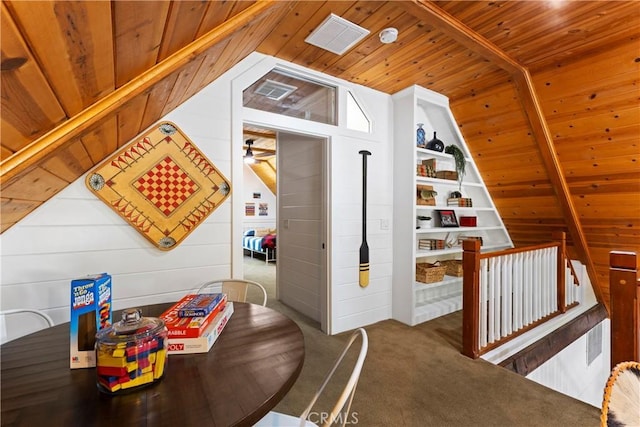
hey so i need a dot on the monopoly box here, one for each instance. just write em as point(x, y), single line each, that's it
point(90, 312)
point(203, 343)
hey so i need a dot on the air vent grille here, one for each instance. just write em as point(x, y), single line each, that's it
point(336, 35)
point(594, 343)
point(275, 90)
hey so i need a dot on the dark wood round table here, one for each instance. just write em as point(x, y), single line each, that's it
point(249, 369)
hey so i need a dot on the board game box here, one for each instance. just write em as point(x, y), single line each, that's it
point(200, 305)
point(189, 327)
point(90, 312)
point(203, 343)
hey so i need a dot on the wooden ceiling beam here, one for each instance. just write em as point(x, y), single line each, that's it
point(458, 31)
point(42, 147)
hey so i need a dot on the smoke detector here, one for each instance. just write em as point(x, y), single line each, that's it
point(388, 35)
point(336, 34)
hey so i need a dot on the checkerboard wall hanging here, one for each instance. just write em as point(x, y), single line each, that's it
point(161, 184)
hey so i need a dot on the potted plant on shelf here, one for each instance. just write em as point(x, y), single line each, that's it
point(461, 162)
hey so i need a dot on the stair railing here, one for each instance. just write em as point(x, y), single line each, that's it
point(509, 292)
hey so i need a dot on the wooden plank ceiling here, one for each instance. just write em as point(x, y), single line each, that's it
point(545, 92)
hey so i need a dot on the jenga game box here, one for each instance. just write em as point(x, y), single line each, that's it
point(90, 312)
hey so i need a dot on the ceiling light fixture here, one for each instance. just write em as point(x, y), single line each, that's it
point(388, 35)
point(248, 156)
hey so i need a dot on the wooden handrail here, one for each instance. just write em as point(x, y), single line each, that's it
point(512, 251)
point(471, 292)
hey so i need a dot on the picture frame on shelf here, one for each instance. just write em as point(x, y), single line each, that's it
point(448, 218)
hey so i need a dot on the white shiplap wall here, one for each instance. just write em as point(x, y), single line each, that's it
point(75, 234)
point(350, 305)
point(570, 373)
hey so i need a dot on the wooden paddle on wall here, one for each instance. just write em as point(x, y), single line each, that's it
point(364, 248)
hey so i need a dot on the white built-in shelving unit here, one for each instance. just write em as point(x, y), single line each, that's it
point(415, 302)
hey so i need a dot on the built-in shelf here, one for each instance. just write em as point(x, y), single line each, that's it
point(415, 302)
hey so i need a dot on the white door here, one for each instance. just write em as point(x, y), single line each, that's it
point(301, 266)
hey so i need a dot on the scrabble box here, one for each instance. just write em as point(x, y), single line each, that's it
point(90, 312)
point(203, 343)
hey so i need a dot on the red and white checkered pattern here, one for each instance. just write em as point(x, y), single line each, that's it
point(166, 186)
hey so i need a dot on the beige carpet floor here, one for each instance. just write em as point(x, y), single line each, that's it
point(416, 376)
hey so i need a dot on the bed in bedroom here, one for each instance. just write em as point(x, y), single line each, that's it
point(260, 241)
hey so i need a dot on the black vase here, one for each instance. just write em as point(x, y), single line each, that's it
point(435, 144)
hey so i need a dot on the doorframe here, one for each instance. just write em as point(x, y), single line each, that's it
point(241, 115)
point(324, 140)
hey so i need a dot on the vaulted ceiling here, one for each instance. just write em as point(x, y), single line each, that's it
point(545, 93)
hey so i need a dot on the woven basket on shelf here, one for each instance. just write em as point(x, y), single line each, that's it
point(454, 267)
point(430, 273)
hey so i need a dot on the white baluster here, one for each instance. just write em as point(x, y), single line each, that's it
point(527, 292)
point(553, 302)
point(491, 283)
point(482, 324)
point(517, 291)
point(499, 280)
point(507, 295)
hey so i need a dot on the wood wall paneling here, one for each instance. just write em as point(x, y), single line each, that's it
point(36, 184)
point(130, 119)
point(217, 13)
point(157, 99)
point(13, 210)
point(137, 36)
point(69, 163)
point(71, 53)
point(209, 69)
point(181, 26)
point(29, 106)
point(101, 140)
point(181, 85)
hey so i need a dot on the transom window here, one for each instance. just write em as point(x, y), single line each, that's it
point(283, 93)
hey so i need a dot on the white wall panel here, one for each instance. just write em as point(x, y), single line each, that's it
point(569, 373)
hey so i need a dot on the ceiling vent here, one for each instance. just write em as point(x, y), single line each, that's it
point(275, 90)
point(336, 35)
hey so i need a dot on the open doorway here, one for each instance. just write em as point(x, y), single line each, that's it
point(297, 275)
point(259, 225)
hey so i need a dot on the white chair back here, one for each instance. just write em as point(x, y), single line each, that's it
point(18, 322)
point(341, 412)
point(236, 289)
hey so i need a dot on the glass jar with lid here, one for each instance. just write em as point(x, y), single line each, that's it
point(131, 353)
